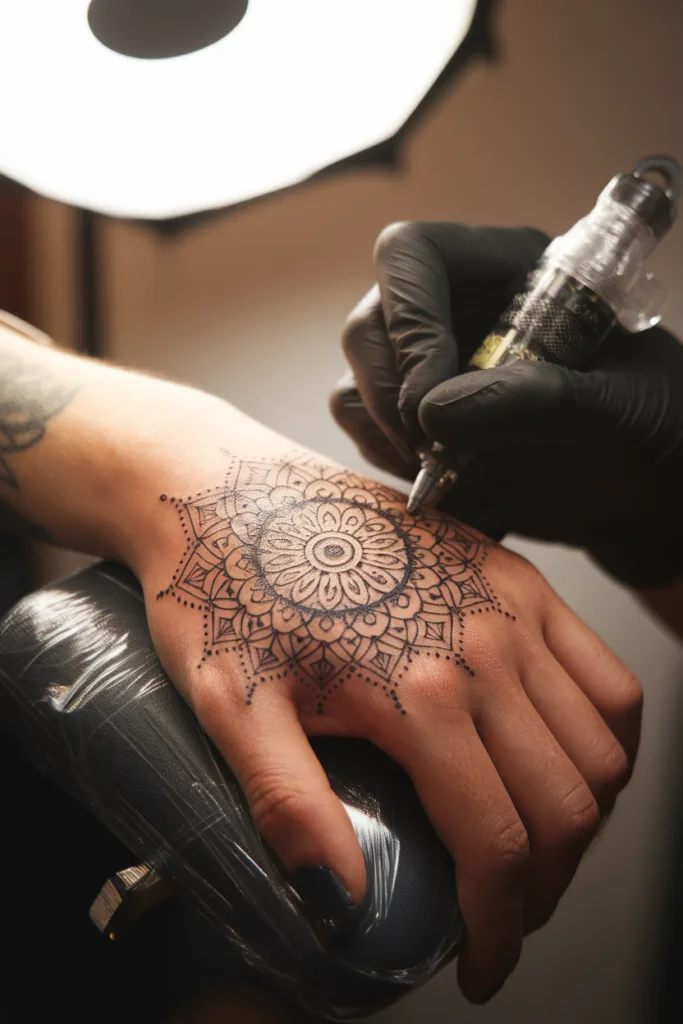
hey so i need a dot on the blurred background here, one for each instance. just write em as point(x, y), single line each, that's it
point(578, 92)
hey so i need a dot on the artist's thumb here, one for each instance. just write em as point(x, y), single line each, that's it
point(526, 403)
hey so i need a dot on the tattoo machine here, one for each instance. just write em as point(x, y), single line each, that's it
point(587, 281)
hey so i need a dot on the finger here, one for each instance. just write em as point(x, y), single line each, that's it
point(289, 796)
point(534, 403)
point(350, 413)
point(559, 811)
point(442, 287)
point(415, 295)
point(468, 502)
point(607, 683)
point(526, 404)
point(477, 822)
point(577, 726)
point(373, 364)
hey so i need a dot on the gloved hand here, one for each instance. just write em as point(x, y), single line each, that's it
point(590, 458)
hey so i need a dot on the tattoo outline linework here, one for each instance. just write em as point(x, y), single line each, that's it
point(302, 567)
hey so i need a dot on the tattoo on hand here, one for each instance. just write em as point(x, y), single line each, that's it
point(304, 568)
point(29, 399)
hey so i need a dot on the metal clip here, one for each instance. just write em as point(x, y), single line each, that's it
point(125, 897)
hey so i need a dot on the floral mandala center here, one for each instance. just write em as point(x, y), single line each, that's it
point(332, 556)
point(301, 569)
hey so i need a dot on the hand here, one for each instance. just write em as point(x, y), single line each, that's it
point(288, 598)
point(593, 458)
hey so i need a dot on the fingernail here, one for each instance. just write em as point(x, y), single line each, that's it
point(326, 896)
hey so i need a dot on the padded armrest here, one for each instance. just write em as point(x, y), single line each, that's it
point(84, 697)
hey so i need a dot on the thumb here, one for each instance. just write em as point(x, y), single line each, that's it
point(351, 414)
point(291, 802)
point(526, 403)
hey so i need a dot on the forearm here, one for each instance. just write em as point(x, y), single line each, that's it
point(81, 443)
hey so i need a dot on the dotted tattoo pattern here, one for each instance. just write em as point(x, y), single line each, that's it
point(307, 569)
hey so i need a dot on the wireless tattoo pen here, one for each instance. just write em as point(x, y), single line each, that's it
point(586, 281)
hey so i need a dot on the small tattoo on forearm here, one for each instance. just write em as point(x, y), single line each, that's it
point(29, 398)
point(306, 569)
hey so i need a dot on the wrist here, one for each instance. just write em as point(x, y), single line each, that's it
point(178, 450)
point(93, 447)
point(169, 447)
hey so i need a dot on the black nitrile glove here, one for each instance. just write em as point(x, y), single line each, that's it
point(589, 458)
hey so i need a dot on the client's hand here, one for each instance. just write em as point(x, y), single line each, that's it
point(289, 597)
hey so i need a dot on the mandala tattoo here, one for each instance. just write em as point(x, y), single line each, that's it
point(303, 568)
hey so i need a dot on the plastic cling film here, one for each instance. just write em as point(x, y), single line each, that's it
point(83, 697)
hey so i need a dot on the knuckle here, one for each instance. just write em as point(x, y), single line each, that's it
point(527, 580)
point(616, 768)
point(578, 816)
point(621, 695)
point(510, 849)
point(629, 700)
point(504, 386)
point(390, 237)
point(442, 695)
point(438, 698)
point(214, 702)
point(540, 598)
point(521, 566)
point(276, 800)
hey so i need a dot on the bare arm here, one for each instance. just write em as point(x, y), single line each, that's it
point(78, 438)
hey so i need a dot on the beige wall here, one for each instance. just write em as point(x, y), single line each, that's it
point(251, 308)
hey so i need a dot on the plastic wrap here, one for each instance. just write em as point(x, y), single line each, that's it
point(84, 697)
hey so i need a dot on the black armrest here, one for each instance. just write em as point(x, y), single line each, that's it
point(84, 697)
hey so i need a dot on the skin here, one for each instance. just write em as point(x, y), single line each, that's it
point(518, 726)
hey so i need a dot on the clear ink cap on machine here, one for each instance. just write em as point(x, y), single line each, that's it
point(607, 249)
